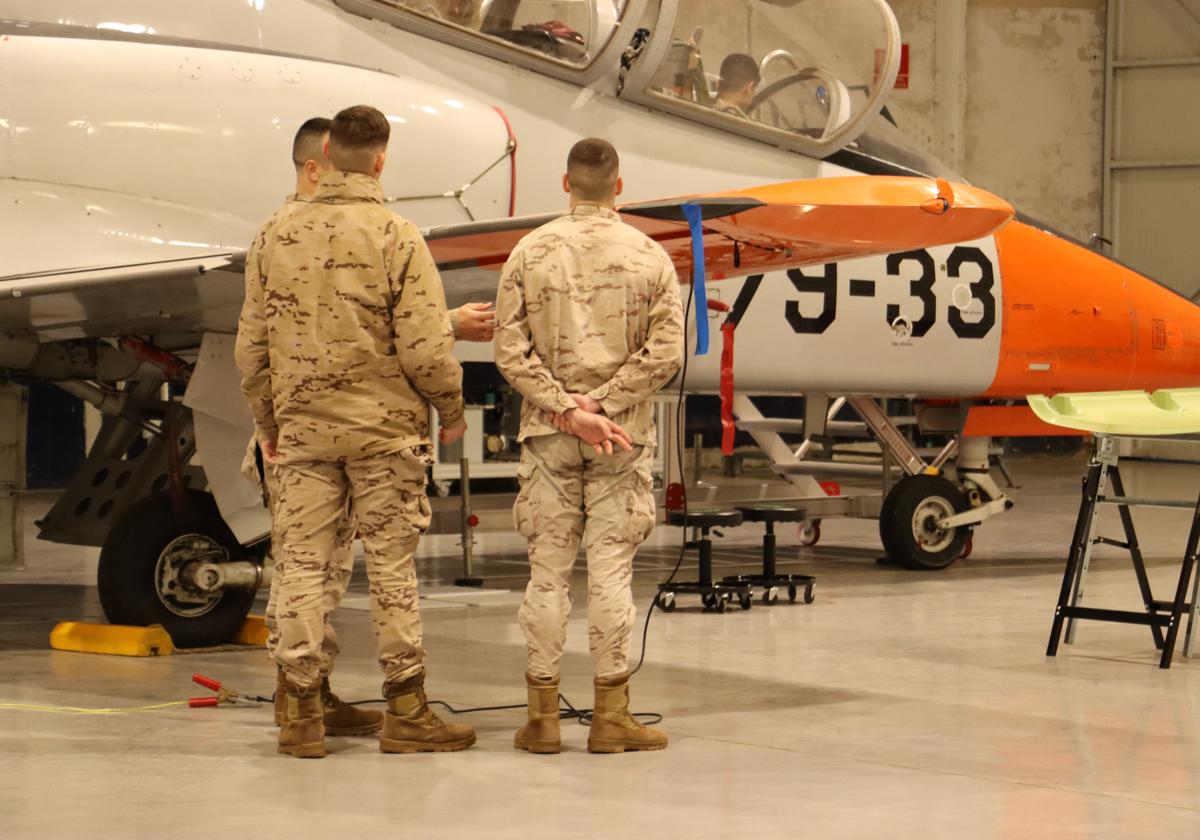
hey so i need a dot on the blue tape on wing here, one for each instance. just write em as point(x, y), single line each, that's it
point(694, 218)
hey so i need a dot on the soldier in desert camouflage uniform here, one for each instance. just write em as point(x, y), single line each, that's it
point(590, 326)
point(343, 344)
point(471, 322)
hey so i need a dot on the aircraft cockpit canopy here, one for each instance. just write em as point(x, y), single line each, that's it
point(569, 32)
point(802, 74)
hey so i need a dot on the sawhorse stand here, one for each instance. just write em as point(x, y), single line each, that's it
point(1158, 615)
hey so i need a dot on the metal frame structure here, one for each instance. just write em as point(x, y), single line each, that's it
point(1158, 615)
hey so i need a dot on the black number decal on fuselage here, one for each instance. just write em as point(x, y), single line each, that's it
point(981, 290)
point(826, 285)
point(921, 288)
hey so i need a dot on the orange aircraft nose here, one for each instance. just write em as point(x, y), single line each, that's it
point(1075, 320)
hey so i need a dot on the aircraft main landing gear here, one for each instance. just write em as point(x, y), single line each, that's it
point(182, 569)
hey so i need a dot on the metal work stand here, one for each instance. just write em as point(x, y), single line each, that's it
point(770, 579)
point(1158, 615)
point(467, 523)
point(712, 594)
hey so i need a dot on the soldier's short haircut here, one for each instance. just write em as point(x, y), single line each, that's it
point(737, 71)
point(309, 141)
point(356, 136)
point(593, 168)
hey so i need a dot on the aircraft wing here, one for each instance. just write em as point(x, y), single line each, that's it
point(89, 263)
point(744, 232)
point(760, 229)
point(194, 294)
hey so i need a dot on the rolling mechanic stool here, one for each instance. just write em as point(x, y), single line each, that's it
point(770, 579)
point(714, 595)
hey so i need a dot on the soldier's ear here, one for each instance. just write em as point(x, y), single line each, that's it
point(566, 183)
point(380, 160)
point(619, 188)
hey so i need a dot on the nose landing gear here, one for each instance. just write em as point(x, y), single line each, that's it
point(910, 523)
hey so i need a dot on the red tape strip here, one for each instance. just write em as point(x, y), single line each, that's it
point(728, 429)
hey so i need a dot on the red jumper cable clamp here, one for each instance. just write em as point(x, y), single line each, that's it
point(224, 695)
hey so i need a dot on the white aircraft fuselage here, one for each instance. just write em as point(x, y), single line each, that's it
point(166, 128)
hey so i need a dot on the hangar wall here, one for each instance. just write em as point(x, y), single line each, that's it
point(1010, 93)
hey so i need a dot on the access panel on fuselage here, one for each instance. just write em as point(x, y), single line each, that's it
point(920, 322)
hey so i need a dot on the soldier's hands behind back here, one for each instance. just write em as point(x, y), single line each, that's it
point(476, 322)
point(599, 432)
point(587, 403)
point(452, 435)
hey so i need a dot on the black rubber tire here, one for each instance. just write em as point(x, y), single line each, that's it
point(896, 522)
point(746, 601)
point(129, 556)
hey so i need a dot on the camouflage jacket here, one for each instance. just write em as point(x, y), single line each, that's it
point(344, 339)
point(589, 305)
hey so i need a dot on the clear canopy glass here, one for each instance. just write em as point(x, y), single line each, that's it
point(811, 69)
point(570, 31)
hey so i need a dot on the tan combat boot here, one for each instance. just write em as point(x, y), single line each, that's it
point(280, 696)
point(411, 726)
point(303, 731)
point(541, 734)
point(613, 729)
point(346, 720)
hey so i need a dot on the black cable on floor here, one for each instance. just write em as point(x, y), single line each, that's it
point(567, 710)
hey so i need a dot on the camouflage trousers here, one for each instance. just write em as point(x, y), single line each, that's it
point(340, 571)
point(387, 495)
point(571, 495)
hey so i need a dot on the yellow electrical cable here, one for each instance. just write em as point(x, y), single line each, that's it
point(76, 710)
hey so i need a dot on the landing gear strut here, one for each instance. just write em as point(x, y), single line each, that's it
point(926, 520)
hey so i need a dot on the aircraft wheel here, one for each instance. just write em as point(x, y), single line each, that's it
point(908, 522)
point(141, 561)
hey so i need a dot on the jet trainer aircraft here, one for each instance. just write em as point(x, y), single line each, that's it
point(141, 143)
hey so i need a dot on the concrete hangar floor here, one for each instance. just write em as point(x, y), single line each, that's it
point(897, 705)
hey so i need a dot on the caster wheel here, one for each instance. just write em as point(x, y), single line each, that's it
point(709, 600)
point(808, 595)
point(666, 601)
point(968, 548)
point(810, 533)
point(770, 596)
point(745, 600)
point(792, 594)
point(719, 605)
